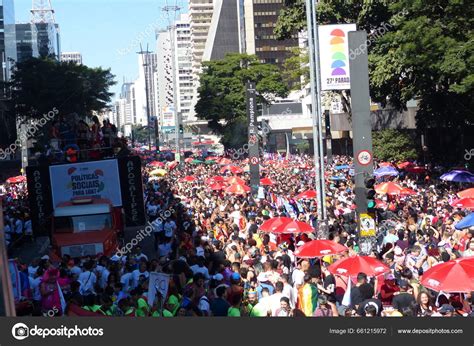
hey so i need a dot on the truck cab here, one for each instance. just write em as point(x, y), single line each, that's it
point(86, 226)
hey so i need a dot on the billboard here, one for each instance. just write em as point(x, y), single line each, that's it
point(168, 116)
point(334, 56)
point(99, 179)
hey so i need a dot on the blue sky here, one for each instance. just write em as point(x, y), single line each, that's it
point(106, 32)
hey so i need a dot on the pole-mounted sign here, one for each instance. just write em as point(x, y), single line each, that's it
point(253, 138)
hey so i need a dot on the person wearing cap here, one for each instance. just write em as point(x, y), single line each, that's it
point(402, 299)
point(235, 288)
point(388, 289)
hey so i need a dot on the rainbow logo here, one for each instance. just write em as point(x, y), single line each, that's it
point(338, 56)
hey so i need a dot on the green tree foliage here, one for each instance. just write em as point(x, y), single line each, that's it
point(39, 85)
point(140, 134)
point(394, 145)
point(222, 100)
point(295, 67)
point(417, 49)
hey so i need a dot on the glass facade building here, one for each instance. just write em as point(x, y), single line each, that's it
point(8, 54)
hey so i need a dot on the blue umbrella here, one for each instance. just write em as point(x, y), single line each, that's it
point(467, 222)
point(335, 177)
point(342, 167)
point(458, 176)
point(386, 171)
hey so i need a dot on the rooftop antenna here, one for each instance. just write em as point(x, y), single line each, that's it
point(42, 12)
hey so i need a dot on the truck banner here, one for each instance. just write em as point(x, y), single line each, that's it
point(132, 191)
point(39, 196)
point(99, 179)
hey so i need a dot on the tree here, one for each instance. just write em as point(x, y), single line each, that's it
point(393, 145)
point(222, 94)
point(296, 68)
point(417, 50)
point(303, 147)
point(40, 85)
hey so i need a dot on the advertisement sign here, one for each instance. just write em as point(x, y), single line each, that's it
point(168, 116)
point(367, 225)
point(132, 190)
point(334, 56)
point(39, 196)
point(98, 179)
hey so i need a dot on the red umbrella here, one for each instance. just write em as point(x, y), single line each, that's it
point(156, 164)
point(266, 181)
point(381, 204)
point(215, 179)
point(469, 193)
point(388, 188)
point(217, 186)
point(16, 180)
point(416, 169)
point(385, 164)
point(352, 266)
point(188, 160)
point(225, 161)
point(405, 164)
point(466, 203)
point(306, 194)
point(173, 165)
point(212, 158)
point(319, 248)
point(233, 169)
point(293, 227)
point(189, 179)
point(271, 224)
point(235, 180)
point(238, 189)
point(406, 192)
point(452, 276)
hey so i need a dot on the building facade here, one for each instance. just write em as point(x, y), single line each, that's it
point(8, 53)
point(26, 44)
point(48, 39)
point(164, 81)
point(183, 68)
point(74, 57)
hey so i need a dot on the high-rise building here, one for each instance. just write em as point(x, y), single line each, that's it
point(183, 68)
point(260, 20)
point(164, 81)
point(26, 44)
point(145, 87)
point(200, 16)
point(8, 53)
point(75, 57)
point(125, 108)
point(48, 40)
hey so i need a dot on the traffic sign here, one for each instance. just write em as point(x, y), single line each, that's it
point(254, 160)
point(364, 157)
point(367, 225)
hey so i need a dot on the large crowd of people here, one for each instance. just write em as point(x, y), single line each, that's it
point(220, 263)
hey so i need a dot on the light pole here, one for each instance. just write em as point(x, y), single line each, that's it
point(145, 65)
point(316, 115)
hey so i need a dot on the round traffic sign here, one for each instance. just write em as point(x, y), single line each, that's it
point(254, 160)
point(364, 157)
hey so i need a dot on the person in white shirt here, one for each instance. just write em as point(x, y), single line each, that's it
point(87, 279)
point(127, 279)
point(170, 228)
point(139, 272)
point(288, 290)
point(274, 299)
point(200, 268)
point(139, 254)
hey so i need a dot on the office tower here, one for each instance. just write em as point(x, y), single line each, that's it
point(8, 53)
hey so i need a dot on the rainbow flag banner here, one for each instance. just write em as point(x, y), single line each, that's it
point(334, 56)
